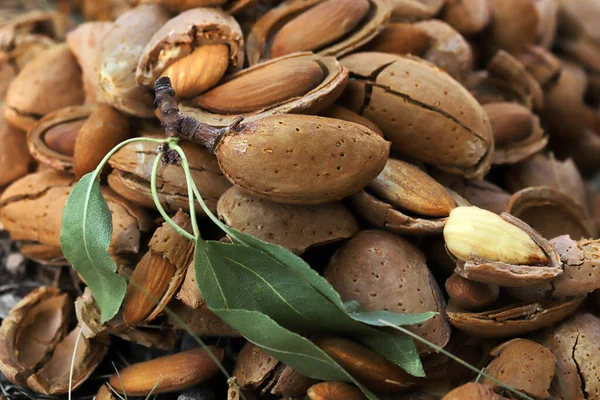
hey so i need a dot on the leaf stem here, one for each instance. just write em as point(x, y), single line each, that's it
point(455, 358)
point(159, 206)
point(190, 186)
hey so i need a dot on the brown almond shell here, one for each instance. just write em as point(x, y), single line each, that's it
point(410, 10)
point(258, 41)
point(513, 320)
point(312, 102)
point(551, 213)
point(118, 56)
point(15, 160)
point(518, 151)
point(31, 210)
point(53, 73)
point(523, 365)
point(293, 226)
point(48, 23)
point(182, 34)
point(202, 321)
point(25, 345)
point(434, 119)
point(132, 169)
point(39, 148)
point(508, 275)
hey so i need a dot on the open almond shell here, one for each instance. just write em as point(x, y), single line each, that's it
point(513, 320)
point(313, 101)
point(259, 40)
point(496, 272)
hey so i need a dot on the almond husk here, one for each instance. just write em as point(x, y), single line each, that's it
point(322, 81)
point(513, 320)
point(132, 169)
point(258, 46)
point(295, 227)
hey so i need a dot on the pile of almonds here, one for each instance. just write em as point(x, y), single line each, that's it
point(422, 155)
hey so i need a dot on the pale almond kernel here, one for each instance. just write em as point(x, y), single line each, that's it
point(329, 21)
point(61, 138)
point(263, 87)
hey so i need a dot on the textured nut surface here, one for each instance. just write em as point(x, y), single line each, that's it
point(368, 367)
point(400, 38)
point(434, 118)
point(118, 57)
point(385, 272)
point(173, 373)
point(522, 365)
point(415, 9)
point(470, 295)
point(14, 156)
point(468, 16)
point(473, 391)
point(296, 227)
point(302, 159)
point(54, 74)
point(339, 112)
point(334, 391)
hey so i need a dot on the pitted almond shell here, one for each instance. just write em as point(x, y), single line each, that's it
point(118, 57)
point(410, 10)
point(514, 25)
point(581, 262)
point(31, 210)
point(158, 276)
point(399, 38)
point(252, 368)
point(468, 16)
point(394, 277)
point(52, 139)
point(338, 112)
point(368, 367)
point(15, 160)
point(546, 170)
point(132, 169)
point(102, 131)
point(513, 320)
point(202, 321)
point(523, 365)
point(54, 74)
point(184, 33)
point(84, 41)
point(293, 226)
point(258, 45)
point(524, 260)
point(174, 372)
point(574, 343)
point(552, 213)
point(309, 84)
point(415, 104)
point(302, 159)
point(25, 343)
point(288, 383)
point(54, 377)
point(448, 49)
point(52, 24)
point(473, 391)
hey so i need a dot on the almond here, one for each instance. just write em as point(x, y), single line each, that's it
point(400, 38)
point(511, 122)
point(61, 138)
point(265, 87)
point(199, 71)
point(170, 373)
point(329, 21)
point(470, 295)
point(334, 391)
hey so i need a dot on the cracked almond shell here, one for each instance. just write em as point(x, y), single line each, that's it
point(405, 199)
point(513, 320)
point(306, 83)
point(52, 139)
point(383, 271)
point(523, 365)
point(182, 35)
point(575, 345)
point(15, 160)
point(52, 24)
point(31, 211)
point(260, 39)
point(55, 74)
point(118, 56)
point(473, 391)
point(132, 169)
point(501, 250)
point(293, 226)
point(301, 159)
point(551, 213)
point(425, 113)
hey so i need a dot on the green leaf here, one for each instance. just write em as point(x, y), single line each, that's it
point(374, 318)
point(290, 348)
point(84, 238)
point(400, 350)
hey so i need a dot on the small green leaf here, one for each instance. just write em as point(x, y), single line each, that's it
point(400, 350)
point(288, 347)
point(374, 318)
point(84, 238)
